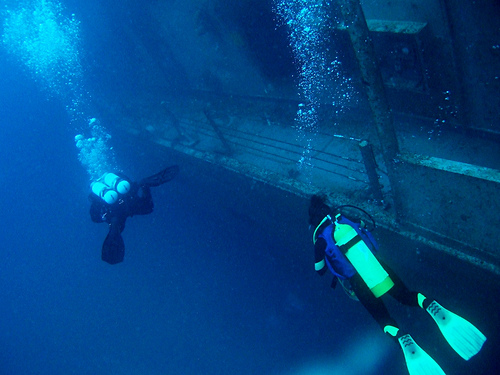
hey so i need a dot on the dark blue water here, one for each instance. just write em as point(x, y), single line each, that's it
point(219, 279)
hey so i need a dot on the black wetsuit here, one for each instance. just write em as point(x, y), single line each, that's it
point(137, 201)
point(375, 306)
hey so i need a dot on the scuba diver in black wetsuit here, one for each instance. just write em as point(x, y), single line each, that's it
point(347, 249)
point(114, 198)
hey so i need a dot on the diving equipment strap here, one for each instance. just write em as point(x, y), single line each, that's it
point(421, 298)
point(353, 241)
point(319, 265)
point(391, 330)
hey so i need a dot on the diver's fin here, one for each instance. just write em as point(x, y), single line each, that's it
point(462, 336)
point(161, 177)
point(113, 248)
point(417, 360)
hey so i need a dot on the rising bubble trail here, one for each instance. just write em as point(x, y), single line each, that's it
point(321, 79)
point(46, 41)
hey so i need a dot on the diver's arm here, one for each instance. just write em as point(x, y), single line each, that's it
point(97, 211)
point(140, 202)
point(319, 256)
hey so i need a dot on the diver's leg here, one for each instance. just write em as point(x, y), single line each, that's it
point(400, 291)
point(375, 306)
point(143, 205)
point(462, 336)
point(417, 360)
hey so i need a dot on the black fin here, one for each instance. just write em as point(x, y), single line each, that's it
point(113, 248)
point(161, 177)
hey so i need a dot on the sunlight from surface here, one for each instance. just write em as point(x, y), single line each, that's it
point(48, 44)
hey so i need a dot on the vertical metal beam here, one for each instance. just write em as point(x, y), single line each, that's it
point(362, 43)
point(461, 78)
point(371, 169)
point(218, 132)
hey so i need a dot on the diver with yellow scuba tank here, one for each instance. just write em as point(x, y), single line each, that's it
point(347, 249)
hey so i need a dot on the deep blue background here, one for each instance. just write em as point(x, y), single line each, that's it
point(217, 280)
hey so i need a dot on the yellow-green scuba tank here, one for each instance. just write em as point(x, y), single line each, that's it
point(362, 259)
